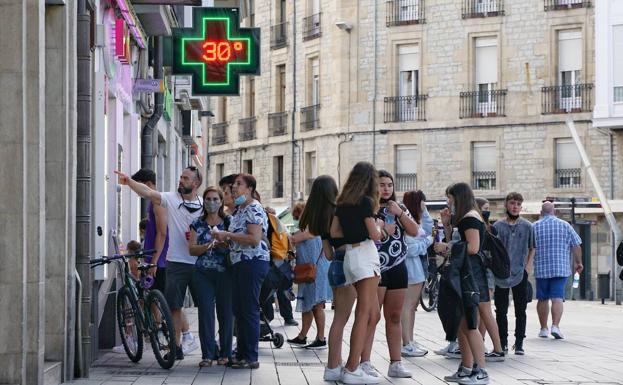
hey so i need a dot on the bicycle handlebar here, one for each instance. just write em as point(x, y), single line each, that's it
point(106, 260)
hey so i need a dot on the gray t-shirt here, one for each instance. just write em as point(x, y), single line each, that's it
point(518, 239)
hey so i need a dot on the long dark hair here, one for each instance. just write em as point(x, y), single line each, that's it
point(250, 181)
point(386, 174)
point(413, 201)
point(221, 210)
point(464, 201)
point(363, 181)
point(318, 212)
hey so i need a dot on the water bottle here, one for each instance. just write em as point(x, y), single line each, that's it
point(576, 280)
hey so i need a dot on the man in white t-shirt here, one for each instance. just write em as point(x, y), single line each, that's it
point(183, 207)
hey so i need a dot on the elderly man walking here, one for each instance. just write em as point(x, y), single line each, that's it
point(554, 239)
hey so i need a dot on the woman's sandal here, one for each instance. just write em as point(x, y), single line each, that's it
point(205, 363)
point(222, 361)
point(242, 364)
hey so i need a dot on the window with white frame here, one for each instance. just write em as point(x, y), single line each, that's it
point(311, 170)
point(617, 63)
point(486, 72)
point(406, 168)
point(408, 69)
point(314, 90)
point(568, 170)
point(484, 166)
point(569, 68)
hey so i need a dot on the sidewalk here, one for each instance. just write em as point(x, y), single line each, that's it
point(591, 353)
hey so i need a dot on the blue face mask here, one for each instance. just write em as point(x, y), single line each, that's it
point(240, 200)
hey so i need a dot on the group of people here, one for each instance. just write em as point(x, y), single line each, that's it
point(367, 249)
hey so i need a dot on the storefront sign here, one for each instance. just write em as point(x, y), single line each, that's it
point(122, 41)
point(148, 85)
point(216, 51)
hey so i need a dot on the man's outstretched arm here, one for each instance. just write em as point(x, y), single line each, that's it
point(139, 188)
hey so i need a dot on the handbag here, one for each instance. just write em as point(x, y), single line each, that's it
point(306, 272)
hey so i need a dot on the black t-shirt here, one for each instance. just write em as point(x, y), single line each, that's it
point(471, 223)
point(352, 219)
point(336, 243)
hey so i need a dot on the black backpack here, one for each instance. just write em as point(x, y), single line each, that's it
point(495, 256)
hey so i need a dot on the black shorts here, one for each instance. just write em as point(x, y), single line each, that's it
point(480, 276)
point(395, 278)
point(179, 278)
point(160, 283)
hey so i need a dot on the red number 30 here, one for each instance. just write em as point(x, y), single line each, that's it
point(220, 51)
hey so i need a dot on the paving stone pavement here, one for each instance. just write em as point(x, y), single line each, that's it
point(592, 353)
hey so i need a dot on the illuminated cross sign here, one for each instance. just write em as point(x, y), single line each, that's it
point(216, 51)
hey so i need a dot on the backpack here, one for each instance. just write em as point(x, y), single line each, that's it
point(277, 238)
point(495, 256)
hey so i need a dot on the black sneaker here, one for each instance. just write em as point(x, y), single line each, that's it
point(297, 341)
point(494, 356)
point(519, 348)
point(291, 322)
point(317, 345)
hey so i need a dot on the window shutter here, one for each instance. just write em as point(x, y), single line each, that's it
point(408, 57)
point(486, 60)
point(485, 158)
point(567, 155)
point(569, 51)
point(406, 160)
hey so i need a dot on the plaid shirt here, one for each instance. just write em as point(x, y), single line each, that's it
point(554, 239)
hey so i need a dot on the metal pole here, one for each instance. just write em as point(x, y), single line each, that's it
point(293, 117)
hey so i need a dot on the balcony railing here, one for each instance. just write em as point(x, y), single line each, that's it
point(568, 178)
point(482, 8)
point(405, 108)
point(278, 190)
point(246, 128)
point(483, 180)
point(403, 12)
point(311, 27)
point(278, 123)
point(564, 99)
point(482, 104)
point(555, 5)
point(219, 133)
point(405, 182)
point(310, 117)
point(279, 35)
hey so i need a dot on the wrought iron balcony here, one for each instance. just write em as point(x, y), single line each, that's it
point(482, 8)
point(403, 12)
point(482, 104)
point(405, 108)
point(310, 117)
point(279, 35)
point(246, 128)
point(278, 190)
point(405, 182)
point(556, 5)
point(277, 123)
point(483, 180)
point(219, 134)
point(564, 99)
point(311, 27)
point(568, 178)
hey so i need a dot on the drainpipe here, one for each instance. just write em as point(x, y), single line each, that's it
point(147, 135)
point(293, 117)
point(375, 88)
point(83, 185)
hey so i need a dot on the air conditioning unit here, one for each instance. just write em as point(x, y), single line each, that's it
point(183, 94)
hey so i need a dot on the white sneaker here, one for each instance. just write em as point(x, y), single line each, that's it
point(412, 351)
point(544, 333)
point(358, 377)
point(370, 370)
point(450, 347)
point(397, 370)
point(418, 345)
point(481, 377)
point(189, 343)
point(334, 374)
point(557, 333)
point(119, 349)
point(461, 373)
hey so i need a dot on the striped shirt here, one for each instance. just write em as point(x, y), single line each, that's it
point(554, 239)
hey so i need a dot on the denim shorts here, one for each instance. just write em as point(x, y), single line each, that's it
point(336, 271)
point(551, 288)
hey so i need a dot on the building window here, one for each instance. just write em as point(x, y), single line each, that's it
point(554, 5)
point(486, 74)
point(484, 166)
point(482, 8)
point(220, 171)
point(569, 68)
point(222, 109)
point(251, 98)
point(310, 170)
point(247, 166)
point(311, 23)
point(568, 170)
point(402, 12)
point(278, 176)
point(406, 168)
point(281, 88)
point(313, 94)
point(617, 63)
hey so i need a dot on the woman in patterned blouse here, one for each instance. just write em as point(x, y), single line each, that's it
point(249, 258)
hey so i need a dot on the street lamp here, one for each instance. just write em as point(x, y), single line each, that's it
point(344, 26)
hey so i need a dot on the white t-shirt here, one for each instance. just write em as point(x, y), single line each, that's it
point(179, 224)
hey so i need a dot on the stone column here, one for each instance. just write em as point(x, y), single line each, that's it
point(22, 209)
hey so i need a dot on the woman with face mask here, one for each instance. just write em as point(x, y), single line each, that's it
point(213, 279)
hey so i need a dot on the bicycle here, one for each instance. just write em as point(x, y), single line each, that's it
point(142, 312)
point(430, 290)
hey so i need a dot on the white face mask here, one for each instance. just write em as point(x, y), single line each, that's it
point(212, 206)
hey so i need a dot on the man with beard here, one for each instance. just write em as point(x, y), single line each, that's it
point(517, 235)
point(183, 207)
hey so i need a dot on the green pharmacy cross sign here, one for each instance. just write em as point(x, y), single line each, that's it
point(216, 51)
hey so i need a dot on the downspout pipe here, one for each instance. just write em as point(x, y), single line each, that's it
point(293, 117)
point(376, 64)
point(147, 134)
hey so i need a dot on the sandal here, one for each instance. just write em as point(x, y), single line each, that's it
point(222, 361)
point(243, 364)
point(205, 363)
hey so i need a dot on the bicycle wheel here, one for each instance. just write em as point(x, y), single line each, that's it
point(430, 292)
point(161, 330)
point(129, 327)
